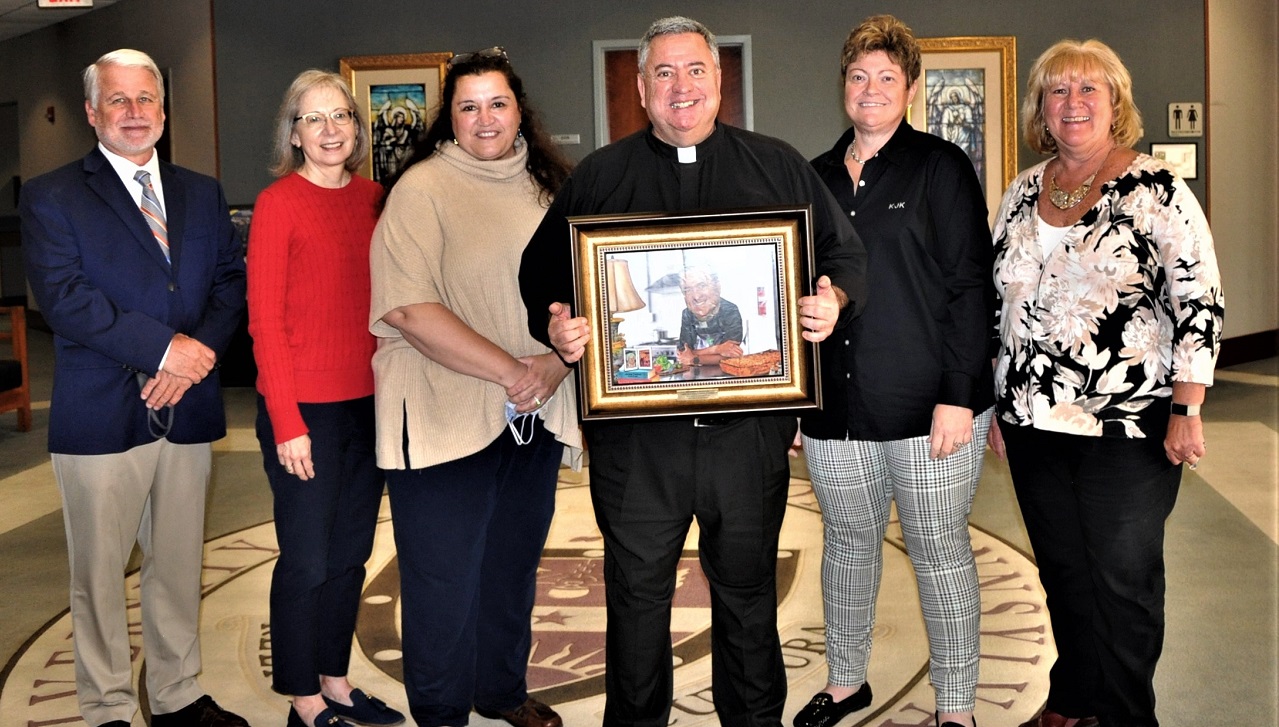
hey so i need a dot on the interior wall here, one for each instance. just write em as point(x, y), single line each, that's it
point(42, 70)
point(1243, 168)
point(796, 54)
point(263, 44)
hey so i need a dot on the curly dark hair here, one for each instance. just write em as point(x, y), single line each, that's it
point(547, 165)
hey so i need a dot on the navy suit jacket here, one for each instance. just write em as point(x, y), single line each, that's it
point(114, 304)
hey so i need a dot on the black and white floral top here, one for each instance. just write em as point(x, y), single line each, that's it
point(1093, 336)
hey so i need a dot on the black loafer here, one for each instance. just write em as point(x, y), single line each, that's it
point(823, 711)
point(203, 712)
point(366, 710)
point(326, 718)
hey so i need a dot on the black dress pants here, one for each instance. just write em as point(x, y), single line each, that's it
point(1095, 509)
point(649, 479)
point(325, 530)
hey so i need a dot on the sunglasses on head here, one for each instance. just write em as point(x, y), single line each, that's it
point(496, 51)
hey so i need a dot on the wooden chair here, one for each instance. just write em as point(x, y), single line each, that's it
point(15, 379)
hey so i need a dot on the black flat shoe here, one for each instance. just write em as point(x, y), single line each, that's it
point(823, 711)
point(940, 723)
point(366, 709)
point(326, 718)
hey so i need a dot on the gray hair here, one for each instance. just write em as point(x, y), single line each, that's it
point(676, 25)
point(124, 58)
point(286, 158)
point(698, 272)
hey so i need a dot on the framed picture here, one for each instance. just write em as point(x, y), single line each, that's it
point(1181, 157)
point(618, 112)
point(967, 94)
point(694, 314)
point(396, 95)
point(241, 217)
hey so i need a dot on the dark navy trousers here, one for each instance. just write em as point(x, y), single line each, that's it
point(325, 531)
point(469, 536)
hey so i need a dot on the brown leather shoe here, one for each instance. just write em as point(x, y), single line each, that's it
point(1049, 718)
point(203, 712)
point(530, 714)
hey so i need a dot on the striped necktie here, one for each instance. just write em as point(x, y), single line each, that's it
point(151, 210)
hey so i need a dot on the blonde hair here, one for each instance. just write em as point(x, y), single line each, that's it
point(1073, 59)
point(286, 158)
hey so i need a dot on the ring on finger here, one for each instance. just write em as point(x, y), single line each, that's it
point(537, 400)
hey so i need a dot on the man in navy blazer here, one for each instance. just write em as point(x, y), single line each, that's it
point(135, 266)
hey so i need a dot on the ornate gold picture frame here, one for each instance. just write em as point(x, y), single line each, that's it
point(967, 94)
point(658, 289)
point(397, 96)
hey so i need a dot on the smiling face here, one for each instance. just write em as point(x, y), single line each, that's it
point(701, 293)
point(486, 116)
point(129, 115)
point(1078, 112)
point(679, 87)
point(876, 93)
point(325, 145)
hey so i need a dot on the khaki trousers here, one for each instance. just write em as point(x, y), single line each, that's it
point(153, 495)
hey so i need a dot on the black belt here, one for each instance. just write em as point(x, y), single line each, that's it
point(715, 420)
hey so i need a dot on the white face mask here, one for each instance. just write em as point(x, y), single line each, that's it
point(521, 425)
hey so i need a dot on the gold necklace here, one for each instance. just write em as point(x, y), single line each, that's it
point(1064, 200)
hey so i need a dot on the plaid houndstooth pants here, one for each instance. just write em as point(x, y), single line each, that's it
point(855, 482)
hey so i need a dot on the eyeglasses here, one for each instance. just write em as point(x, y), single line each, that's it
point(315, 119)
point(496, 51)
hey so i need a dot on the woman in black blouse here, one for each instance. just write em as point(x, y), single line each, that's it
point(908, 384)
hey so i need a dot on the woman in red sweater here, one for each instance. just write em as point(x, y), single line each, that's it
point(308, 315)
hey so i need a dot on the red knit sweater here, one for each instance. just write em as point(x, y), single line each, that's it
point(309, 295)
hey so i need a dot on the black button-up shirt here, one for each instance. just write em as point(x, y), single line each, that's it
point(925, 336)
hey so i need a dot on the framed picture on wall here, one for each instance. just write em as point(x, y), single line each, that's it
point(241, 218)
point(1181, 157)
point(396, 95)
point(618, 112)
point(967, 94)
point(727, 337)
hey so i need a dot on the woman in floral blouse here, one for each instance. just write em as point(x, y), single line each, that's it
point(1109, 322)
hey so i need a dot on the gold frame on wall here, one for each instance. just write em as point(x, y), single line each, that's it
point(768, 249)
point(363, 73)
point(995, 56)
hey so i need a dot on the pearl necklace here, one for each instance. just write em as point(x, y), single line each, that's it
point(1064, 200)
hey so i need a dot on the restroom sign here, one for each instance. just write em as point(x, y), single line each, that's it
point(1185, 118)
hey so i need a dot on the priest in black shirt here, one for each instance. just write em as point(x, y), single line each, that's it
point(649, 479)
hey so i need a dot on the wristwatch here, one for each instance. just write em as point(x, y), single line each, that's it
point(697, 360)
point(1185, 410)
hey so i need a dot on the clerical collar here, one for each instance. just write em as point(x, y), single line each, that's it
point(687, 154)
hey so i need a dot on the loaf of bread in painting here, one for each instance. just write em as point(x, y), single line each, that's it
point(755, 364)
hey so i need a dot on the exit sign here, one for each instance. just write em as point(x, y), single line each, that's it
point(65, 3)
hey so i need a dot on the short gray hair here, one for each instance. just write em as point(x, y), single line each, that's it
point(676, 25)
point(286, 158)
point(698, 272)
point(124, 58)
